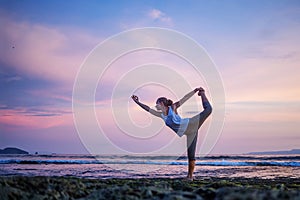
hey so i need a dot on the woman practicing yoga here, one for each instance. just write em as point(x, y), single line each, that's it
point(167, 110)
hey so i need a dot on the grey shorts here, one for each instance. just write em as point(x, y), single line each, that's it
point(193, 127)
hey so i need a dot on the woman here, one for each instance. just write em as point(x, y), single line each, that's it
point(167, 110)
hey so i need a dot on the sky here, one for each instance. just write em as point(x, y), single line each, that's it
point(255, 46)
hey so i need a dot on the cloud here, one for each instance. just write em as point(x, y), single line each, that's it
point(13, 78)
point(43, 51)
point(34, 118)
point(152, 17)
point(158, 15)
point(10, 78)
point(32, 111)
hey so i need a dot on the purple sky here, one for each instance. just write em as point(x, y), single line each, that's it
point(254, 44)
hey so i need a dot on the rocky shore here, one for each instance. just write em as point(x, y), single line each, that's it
point(18, 187)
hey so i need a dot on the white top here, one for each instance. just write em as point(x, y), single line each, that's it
point(175, 122)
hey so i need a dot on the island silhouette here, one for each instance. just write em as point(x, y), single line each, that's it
point(12, 150)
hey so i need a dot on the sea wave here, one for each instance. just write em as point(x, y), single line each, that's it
point(12, 161)
point(155, 162)
point(243, 157)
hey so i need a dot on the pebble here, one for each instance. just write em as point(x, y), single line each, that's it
point(134, 189)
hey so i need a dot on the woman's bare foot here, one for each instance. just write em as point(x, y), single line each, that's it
point(188, 178)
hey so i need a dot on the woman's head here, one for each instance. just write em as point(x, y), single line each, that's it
point(163, 101)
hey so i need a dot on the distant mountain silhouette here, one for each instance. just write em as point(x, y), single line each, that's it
point(293, 151)
point(12, 150)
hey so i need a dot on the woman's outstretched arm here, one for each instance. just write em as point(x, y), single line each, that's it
point(145, 107)
point(185, 98)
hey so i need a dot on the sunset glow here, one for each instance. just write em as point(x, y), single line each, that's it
point(255, 46)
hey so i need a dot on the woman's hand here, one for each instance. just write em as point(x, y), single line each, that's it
point(135, 98)
point(144, 106)
point(201, 91)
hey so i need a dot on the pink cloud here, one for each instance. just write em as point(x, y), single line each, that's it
point(63, 94)
point(21, 118)
point(43, 51)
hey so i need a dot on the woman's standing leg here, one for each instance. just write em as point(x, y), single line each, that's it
point(191, 149)
point(195, 124)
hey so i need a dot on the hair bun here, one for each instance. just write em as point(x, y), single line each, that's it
point(169, 102)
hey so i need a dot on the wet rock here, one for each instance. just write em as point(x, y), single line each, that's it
point(180, 195)
point(206, 193)
point(210, 188)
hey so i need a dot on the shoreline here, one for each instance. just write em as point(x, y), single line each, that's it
point(25, 187)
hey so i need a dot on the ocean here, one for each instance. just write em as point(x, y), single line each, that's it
point(154, 166)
